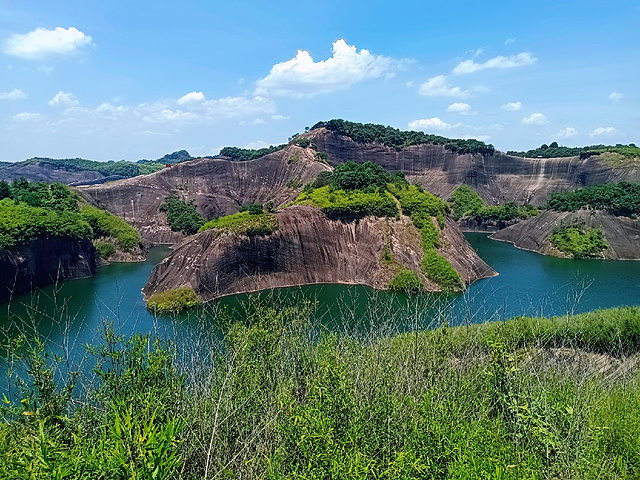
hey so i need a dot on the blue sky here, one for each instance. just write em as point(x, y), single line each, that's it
point(114, 80)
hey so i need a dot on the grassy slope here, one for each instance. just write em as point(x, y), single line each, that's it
point(526, 398)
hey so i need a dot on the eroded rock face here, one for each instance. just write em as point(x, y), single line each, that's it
point(42, 262)
point(498, 178)
point(218, 186)
point(45, 172)
point(307, 248)
point(621, 233)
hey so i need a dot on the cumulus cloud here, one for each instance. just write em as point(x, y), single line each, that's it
point(615, 96)
point(602, 131)
point(302, 77)
point(519, 60)
point(193, 97)
point(459, 107)
point(14, 94)
point(279, 117)
point(535, 119)
point(439, 87)
point(512, 106)
point(63, 99)
point(258, 144)
point(567, 132)
point(429, 124)
point(21, 117)
point(43, 43)
point(510, 41)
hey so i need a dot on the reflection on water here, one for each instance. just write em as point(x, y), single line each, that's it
point(73, 313)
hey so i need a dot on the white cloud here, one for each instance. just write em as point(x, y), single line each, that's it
point(510, 41)
point(519, 60)
point(460, 107)
point(193, 97)
point(21, 117)
point(429, 124)
point(535, 119)
point(567, 132)
point(439, 87)
point(257, 121)
point(512, 106)
point(602, 131)
point(42, 43)
point(47, 70)
point(14, 94)
point(63, 99)
point(256, 145)
point(279, 117)
point(302, 77)
point(615, 96)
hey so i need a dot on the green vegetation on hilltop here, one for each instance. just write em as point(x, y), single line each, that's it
point(244, 223)
point(465, 202)
point(622, 199)
point(182, 216)
point(349, 202)
point(274, 399)
point(121, 168)
point(554, 150)
point(244, 154)
point(30, 210)
point(392, 137)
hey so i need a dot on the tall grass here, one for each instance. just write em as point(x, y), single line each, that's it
point(281, 395)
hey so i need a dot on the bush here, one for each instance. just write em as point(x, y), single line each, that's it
point(622, 199)
point(244, 223)
point(465, 202)
point(353, 202)
point(105, 224)
point(407, 281)
point(182, 216)
point(438, 269)
point(104, 249)
point(174, 300)
point(579, 243)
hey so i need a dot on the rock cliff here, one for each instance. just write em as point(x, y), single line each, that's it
point(44, 261)
point(307, 248)
point(621, 233)
point(218, 186)
point(498, 178)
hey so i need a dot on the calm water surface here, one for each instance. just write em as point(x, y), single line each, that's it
point(74, 312)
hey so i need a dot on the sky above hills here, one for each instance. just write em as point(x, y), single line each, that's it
point(130, 80)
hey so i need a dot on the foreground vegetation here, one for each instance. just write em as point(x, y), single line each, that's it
point(280, 397)
point(30, 210)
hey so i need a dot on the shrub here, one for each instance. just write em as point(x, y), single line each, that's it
point(244, 223)
point(104, 249)
point(174, 300)
point(353, 202)
point(438, 269)
point(579, 243)
point(407, 281)
point(465, 202)
point(105, 224)
point(182, 216)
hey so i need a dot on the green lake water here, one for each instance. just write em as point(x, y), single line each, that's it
point(73, 313)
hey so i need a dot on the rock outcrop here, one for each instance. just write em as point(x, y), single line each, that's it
point(307, 248)
point(498, 178)
point(45, 172)
point(218, 186)
point(621, 233)
point(44, 261)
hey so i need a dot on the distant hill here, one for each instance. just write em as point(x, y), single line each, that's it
point(558, 151)
point(80, 171)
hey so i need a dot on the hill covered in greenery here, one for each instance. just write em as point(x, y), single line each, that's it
point(554, 150)
point(39, 210)
point(621, 199)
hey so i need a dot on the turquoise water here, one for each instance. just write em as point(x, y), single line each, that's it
point(73, 313)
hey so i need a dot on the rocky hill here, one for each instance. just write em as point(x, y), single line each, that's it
point(307, 248)
point(219, 187)
point(621, 233)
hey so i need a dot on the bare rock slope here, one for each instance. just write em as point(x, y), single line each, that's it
point(307, 248)
point(621, 233)
point(218, 186)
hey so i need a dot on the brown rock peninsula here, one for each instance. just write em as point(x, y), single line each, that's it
point(307, 248)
